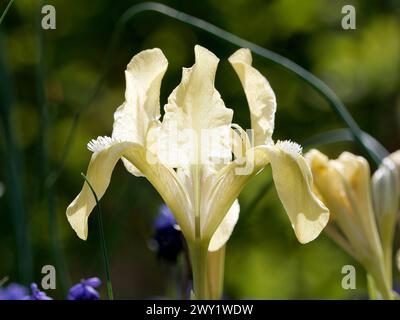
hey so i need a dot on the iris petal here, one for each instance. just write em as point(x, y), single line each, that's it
point(225, 229)
point(260, 96)
point(293, 181)
point(99, 173)
point(141, 109)
point(196, 125)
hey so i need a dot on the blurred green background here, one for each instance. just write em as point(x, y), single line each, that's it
point(39, 97)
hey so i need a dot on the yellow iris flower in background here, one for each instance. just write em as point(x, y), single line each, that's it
point(363, 210)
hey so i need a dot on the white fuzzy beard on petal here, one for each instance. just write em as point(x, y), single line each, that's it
point(290, 147)
point(101, 143)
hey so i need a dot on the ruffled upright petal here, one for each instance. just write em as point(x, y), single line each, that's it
point(259, 94)
point(196, 125)
point(141, 110)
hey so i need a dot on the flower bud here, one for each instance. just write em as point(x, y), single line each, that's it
point(385, 192)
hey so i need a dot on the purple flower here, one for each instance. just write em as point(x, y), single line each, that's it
point(168, 237)
point(13, 291)
point(85, 290)
point(37, 294)
point(165, 218)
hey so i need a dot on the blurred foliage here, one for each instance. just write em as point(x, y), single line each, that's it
point(264, 260)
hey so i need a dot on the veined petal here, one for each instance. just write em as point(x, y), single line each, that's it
point(293, 181)
point(227, 185)
point(141, 108)
point(194, 113)
point(99, 173)
point(259, 94)
point(225, 229)
point(167, 183)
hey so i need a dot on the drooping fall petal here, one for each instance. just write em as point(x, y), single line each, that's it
point(293, 181)
point(99, 173)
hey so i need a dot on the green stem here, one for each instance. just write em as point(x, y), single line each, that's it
point(388, 256)
point(215, 273)
point(102, 242)
point(344, 134)
point(377, 272)
point(198, 255)
point(6, 10)
point(372, 292)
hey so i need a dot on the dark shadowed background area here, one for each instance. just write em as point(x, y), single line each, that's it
point(44, 86)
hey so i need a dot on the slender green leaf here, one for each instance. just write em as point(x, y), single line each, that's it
point(102, 241)
point(6, 10)
point(344, 134)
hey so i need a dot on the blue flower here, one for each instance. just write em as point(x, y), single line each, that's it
point(37, 294)
point(85, 290)
point(165, 218)
point(167, 237)
point(13, 291)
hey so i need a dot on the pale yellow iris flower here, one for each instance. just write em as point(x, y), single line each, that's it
point(199, 183)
